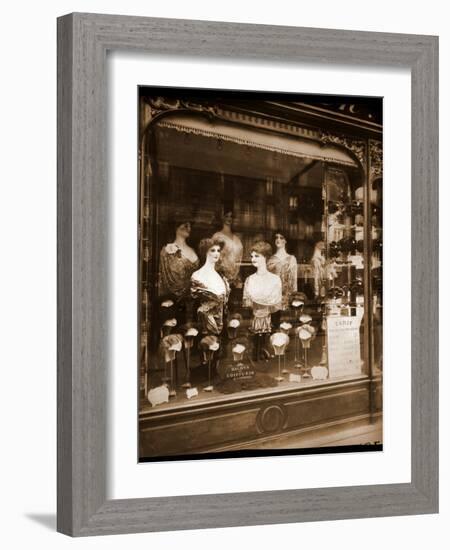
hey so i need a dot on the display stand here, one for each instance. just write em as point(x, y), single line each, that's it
point(172, 344)
point(189, 336)
point(306, 333)
point(209, 387)
point(297, 306)
point(279, 341)
point(172, 391)
point(285, 328)
point(209, 345)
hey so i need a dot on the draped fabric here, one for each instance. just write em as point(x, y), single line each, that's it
point(263, 294)
point(286, 269)
point(212, 306)
point(287, 145)
point(175, 272)
point(264, 290)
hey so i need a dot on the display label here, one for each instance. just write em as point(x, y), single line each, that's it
point(319, 373)
point(235, 371)
point(295, 378)
point(191, 392)
point(344, 349)
point(158, 395)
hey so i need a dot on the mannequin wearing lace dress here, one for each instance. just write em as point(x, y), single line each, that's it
point(231, 256)
point(285, 266)
point(318, 265)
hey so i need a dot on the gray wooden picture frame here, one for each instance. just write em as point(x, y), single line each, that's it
point(83, 41)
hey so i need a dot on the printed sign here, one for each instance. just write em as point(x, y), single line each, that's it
point(235, 371)
point(344, 349)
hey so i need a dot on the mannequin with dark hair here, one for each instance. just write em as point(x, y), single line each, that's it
point(209, 288)
point(177, 262)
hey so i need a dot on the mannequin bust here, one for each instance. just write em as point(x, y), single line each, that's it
point(262, 290)
point(209, 288)
point(231, 256)
point(335, 227)
point(285, 266)
point(177, 263)
point(318, 264)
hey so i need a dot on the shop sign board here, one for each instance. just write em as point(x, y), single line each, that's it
point(344, 349)
point(235, 371)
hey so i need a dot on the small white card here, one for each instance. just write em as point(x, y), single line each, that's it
point(295, 377)
point(191, 392)
point(158, 395)
point(319, 373)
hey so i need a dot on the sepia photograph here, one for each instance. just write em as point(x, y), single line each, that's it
point(260, 273)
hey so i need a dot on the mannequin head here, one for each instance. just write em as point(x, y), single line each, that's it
point(320, 246)
point(279, 240)
point(181, 227)
point(227, 218)
point(209, 251)
point(260, 253)
point(183, 230)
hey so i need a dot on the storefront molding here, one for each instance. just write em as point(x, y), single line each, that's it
point(307, 436)
point(237, 421)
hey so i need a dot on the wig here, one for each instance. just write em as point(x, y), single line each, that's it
point(205, 245)
point(263, 248)
point(177, 221)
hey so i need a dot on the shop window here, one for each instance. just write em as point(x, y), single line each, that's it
point(258, 271)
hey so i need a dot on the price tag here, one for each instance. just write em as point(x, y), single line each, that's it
point(295, 377)
point(158, 395)
point(191, 392)
point(319, 373)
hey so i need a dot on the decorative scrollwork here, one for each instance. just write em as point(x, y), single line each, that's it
point(161, 104)
point(209, 109)
point(376, 159)
point(357, 147)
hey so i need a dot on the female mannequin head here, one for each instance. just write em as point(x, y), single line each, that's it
point(319, 247)
point(280, 240)
point(227, 218)
point(181, 227)
point(183, 230)
point(260, 253)
point(318, 253)
point(209, 251)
